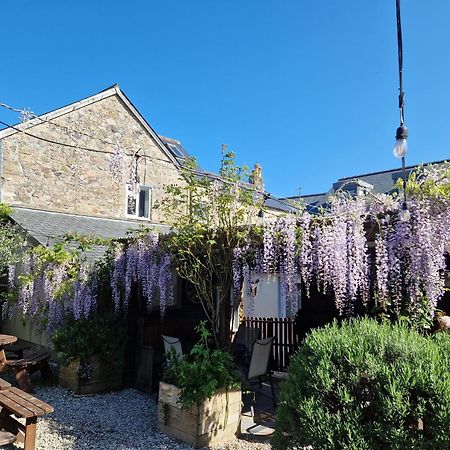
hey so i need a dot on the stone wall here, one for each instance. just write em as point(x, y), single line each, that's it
point(42, 175)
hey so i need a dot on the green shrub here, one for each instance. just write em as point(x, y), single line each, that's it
point(202, 372)
point(365, 385)
point(98, 335)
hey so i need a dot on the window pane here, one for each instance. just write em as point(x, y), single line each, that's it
point(131, 204)
point(144, 202)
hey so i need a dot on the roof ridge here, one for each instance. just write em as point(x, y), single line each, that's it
point(393, 170)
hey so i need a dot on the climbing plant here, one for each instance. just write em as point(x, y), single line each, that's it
point(211, 216)
point(358, 249)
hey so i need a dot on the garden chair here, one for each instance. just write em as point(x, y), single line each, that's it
point(259, 368)
point(243, 342)
point(172, 344)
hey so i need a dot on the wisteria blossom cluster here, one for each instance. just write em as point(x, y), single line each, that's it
point(140, 264)
point(54, 283)
point(410, 256)
point(359, 250)
point(278, 255)
point(51, 290)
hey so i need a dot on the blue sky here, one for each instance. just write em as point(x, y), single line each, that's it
point(306, 88)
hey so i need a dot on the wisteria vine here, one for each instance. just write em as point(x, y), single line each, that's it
point(51, 284)
point(141, 263)
point(359, 250)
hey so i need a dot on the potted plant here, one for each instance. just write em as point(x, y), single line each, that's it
point(200, 395)
point(90, 352)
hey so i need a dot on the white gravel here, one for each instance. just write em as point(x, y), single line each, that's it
point(124, 420)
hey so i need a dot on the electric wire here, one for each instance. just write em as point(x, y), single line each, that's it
point(76, 146)
point(400, 63)
point(69, 130)
point(401, 96)
point(152, 158)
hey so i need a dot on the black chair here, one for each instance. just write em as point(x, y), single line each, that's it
point(243, 342)
point(259, 367)
point(172, 344)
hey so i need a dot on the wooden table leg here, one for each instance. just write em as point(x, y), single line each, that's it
point(23, 379)
point(10, 424)
point(2, 356)
point(30, 433)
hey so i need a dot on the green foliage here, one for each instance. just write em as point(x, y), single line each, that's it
point(11, 239)
point(85, 242)
point(432, 181)
point(201, 373)
point(210, 215)
point(365, 385)
point(80, 339)
point(5, 211)
point(414, 315)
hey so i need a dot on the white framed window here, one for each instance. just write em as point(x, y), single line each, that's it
point(139, 202)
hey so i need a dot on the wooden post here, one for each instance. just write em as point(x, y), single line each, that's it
point(30, 433)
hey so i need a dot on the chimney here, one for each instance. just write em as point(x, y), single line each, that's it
point(256, 177)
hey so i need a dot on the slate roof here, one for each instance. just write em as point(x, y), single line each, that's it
point(275, 203)
point(47, 228)
point(383, 183)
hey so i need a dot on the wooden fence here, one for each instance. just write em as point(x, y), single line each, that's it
point(286, 340)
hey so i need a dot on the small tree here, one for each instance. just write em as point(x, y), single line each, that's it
point(211, 215)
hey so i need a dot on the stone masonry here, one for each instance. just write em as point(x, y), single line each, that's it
point(41, 175)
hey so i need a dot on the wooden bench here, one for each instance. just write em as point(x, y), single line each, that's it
point(4, 384)
point(24, 367)
point(5, 436)
point(16, 349)
point(15, 402)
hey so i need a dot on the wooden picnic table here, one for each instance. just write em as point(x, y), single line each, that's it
point(15, 402)
point(23, 367)
point(6, 339)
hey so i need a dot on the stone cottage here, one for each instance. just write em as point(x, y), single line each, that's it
point(94, 167)
point(93, 164)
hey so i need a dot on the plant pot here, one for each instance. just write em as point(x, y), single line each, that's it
point(103, 378)
point(214, 421)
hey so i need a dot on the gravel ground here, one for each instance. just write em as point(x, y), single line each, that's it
point(124, 420)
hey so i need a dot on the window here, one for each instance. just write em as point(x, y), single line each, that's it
point(139, 203)
point(175, 151)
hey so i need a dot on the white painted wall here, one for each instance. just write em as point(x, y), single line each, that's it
point(266, 302)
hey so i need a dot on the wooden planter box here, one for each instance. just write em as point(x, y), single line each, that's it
point(215, 421)
point(102, 378)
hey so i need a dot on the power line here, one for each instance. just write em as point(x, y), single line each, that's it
point(79, 147)
point(69, 130)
